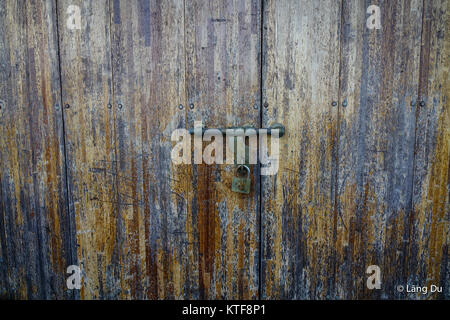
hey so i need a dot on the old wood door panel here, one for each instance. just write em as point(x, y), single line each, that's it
point(379, 81)
point(90, 144)
point(300, 81)
point(380, 193)
point(185, 234)
point(148, 64)
point(223, 84)
point(431, 204)
point(34, 227)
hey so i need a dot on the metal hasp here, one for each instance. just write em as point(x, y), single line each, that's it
point(276, 126)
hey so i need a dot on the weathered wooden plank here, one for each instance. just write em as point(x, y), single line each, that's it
point(300, 82)
point(379, 81)
point(429, 253)
point(148, 64)
point(223, 83)
point(34, 224)
point(90, 144)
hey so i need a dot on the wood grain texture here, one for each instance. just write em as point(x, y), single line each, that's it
point(86, 177)
point(379, 80)
point(383, 184)
point(90, 144)
point(185, 235)
point(300, 81)
point(431, 186)
point(149, 70)
point(222, 42)
point(35, 241)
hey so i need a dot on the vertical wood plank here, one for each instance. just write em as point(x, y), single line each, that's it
point(223, 83)
point(90, 144)
point(377, 146)
point(35, 236)
point(300, 81)
point(148, 64)
point(379, 80)
point(431, 206)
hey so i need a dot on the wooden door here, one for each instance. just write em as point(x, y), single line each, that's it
point(87, 114)
point(184, 234)
point(146, 228)
point(366, 150)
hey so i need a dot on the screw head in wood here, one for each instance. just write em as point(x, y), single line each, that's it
point(255, 106)
point(109, 105)
point(119, 106)
point(422, 103)
point(180, 107)
point(334, 103)
point(191, 106)
point(67, 106)
point(266, 104)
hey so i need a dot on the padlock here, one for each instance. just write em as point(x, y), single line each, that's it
point(241, 184)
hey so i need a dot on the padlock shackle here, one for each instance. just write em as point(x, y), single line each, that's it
point(245, 167)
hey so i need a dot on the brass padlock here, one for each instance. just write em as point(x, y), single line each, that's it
point(241, 184)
